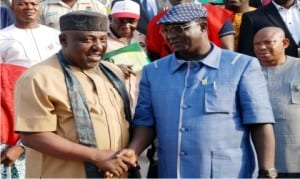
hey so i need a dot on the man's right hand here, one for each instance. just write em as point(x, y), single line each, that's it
point(113, 164)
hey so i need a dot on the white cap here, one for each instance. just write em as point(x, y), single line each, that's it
point(126, 9)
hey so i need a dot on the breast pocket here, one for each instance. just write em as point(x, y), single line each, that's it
point(295, 92)
point(219, 98)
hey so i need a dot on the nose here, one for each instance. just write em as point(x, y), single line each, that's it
point(98, 45)
point(170, 36)
point(260, 46)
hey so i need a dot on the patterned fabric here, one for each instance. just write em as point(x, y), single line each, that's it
point(85, 129)
point(16, 170)
point(78, 102)
point(183, 13)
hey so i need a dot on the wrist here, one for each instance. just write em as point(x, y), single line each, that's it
point(267, 173)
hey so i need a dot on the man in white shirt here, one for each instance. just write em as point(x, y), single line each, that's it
point(27, 42)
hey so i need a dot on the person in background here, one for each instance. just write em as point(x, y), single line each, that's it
point(7, 17)
point(74, 121)
point(221, 31)
point(123, 19)
point(51, 10)
point(27, 42)
point(238, 7)
point(284, 14)
point(283, 80)
point(12, 151)
point(206, 105)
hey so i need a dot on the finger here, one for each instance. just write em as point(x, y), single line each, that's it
point(123, 166)
point(128, 160)
point(7, 162)
point(116, 172)
point(3, 157)
point(108, 174)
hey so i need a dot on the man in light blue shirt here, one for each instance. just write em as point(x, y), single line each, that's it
point(204, 104)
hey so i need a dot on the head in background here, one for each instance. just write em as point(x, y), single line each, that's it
point(269, 46)
point(27, 13)
point(124, 18)
point(184, 26)
point(176, 2)
point(237, 6)
point(83, 38)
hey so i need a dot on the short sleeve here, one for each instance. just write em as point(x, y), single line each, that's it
point(34, 111)
point(253, 95)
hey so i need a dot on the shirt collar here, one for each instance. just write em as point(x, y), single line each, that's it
point(211, 60)
point(280, 8)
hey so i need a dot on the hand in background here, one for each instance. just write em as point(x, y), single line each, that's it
point(126, 69)
point(11, 154)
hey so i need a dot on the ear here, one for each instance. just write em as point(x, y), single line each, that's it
point(203, 26)
point(286, 42)
point(63, 39)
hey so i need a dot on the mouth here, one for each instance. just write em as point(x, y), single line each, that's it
point(29, 13)
point(94, 58)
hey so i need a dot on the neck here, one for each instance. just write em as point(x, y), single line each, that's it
point(198, 55)
point(30, 25)
point(70, 3)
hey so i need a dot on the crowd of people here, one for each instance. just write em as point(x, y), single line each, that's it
point(220, 96)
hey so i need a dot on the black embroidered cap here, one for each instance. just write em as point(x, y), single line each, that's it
point(83, 21)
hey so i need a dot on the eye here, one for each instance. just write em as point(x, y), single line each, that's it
point(103, 39)
point(87, 40)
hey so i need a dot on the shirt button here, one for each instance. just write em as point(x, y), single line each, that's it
point(185, 106)
point(182, 153)
point(183, 129)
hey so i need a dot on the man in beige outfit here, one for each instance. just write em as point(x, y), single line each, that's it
point(72, 110)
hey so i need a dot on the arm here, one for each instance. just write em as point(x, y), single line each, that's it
point(247, 31)
point(142, 138)
point(226, 36)
point(227, 42)
point(264, 143)
point(56, 146)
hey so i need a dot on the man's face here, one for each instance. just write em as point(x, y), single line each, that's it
point(234, 4)
point(123, 27)
point(84, 49)
point(184, 38)
point(269, 47)
point(26, 11)
point(175, 2)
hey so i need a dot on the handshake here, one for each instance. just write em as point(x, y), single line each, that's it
point(115, 164)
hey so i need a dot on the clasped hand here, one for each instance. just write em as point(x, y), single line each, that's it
point(115, 164)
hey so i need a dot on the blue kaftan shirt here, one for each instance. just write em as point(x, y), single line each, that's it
point(200, 110)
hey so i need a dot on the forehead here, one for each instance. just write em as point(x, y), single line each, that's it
point(87, 33)
point(25, 1)
point(265, 35)
point(123, 18)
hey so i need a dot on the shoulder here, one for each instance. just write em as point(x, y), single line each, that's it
point(294, 60)
point(8, 29)
point(237, 60)
point(43, 70)
point(160, 64)
point(47, 28)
